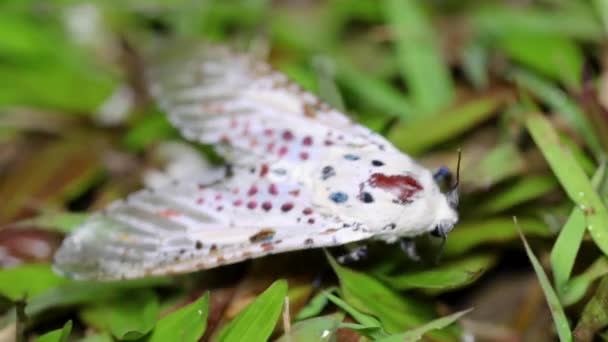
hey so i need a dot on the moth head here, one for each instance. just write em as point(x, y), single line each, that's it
point(449, 218)
point(443, 176)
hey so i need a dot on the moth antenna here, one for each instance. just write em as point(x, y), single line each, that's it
point(458, 170)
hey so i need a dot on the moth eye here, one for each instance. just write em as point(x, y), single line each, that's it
point(437, 232)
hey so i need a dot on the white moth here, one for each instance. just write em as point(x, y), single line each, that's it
point(303, 176)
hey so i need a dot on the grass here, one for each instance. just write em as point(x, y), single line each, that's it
point(518, 87)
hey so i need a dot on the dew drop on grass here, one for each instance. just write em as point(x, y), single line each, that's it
point(325, 333)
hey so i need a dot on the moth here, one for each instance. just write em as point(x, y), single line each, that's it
point(302, 175)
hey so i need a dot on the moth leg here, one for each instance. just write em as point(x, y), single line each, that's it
point(354, 255)
point(409, 247)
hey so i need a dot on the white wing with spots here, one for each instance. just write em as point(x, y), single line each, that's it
point(250, 112)
point(186, 227)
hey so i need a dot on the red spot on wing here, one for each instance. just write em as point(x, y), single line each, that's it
point(264, 170)
point(307, 141)
point(253, 190)
point(287, 135)
point(168, 213)
point(304, 155)
point(283, 151)
point(273, 190)
point(403, 187)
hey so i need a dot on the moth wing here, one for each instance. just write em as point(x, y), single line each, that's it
point(188, 226)
point(251, 113)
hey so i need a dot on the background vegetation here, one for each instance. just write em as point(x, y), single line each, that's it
point(520, 86)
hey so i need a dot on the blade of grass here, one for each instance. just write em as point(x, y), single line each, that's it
point(601, 7)
point(554, 56)
point(366, 320)
point(523, 190)
point(258, 320)
point(415, 136)
point(377, 94)
point(131, 316)
point(417, 333)
point(501, 20)
point(316, 305)
point(577, 287)
point(557, 312)
point(82, 292)
point(59, 335)
point(569, 240)
point(322, 328)
point(371, 296)
point(446, 277)
point(500, 163)
point(468, 235)
point(326, 74)
point(28, 280)
point(561, 104)
point(572, 178)
point(188, 324)
point(422, 66)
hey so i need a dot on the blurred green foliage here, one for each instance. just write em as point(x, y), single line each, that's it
point(520, 88)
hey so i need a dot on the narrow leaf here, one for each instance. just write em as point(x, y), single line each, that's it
point(559, 316)
point(422, 66)
point(258, 320)
point(417, 333)
point(572, 178)
point(59, 335)
point(188, 324)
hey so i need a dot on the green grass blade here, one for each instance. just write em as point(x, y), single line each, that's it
point(59, 335)
point(28, 280)
point(559, 316)
point(577, 287)
point(415, 136)
point(601, 7)
point(316, 305)
point(84, 292)
point(422, 66)
point(322, 328)
point(469, 235)
point(554, 56)
point(523, 190)
point(560, 103)
point(258, 320)
point(417, 333)
point(369, 295)
point(128, 317)
point(572, 178)
point(449, 276)
point(569, 240)
point(376, 93)
point(500, 20)
point(366, 320)
point(188, 324)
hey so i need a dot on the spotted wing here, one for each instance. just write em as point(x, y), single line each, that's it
point(250, 112)
point(186, 227)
